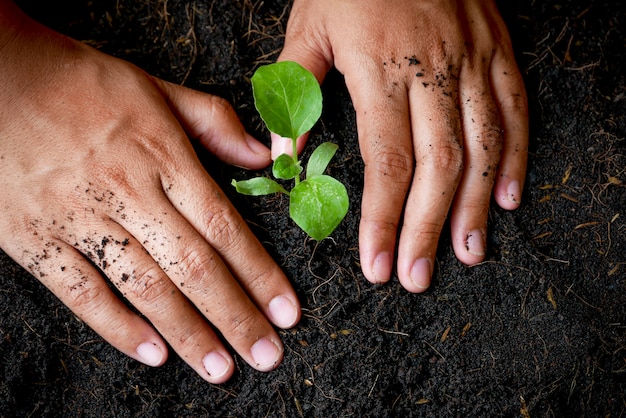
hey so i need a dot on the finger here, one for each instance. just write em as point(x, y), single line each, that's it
point(385, 140)
point(145, 284)
point(510, 97)
point(188, 265)
point(483, 144)
point(244, 254)
point(282, 145)
point(218, 223)
point(242, 251)
point(306, 45)
point(439, 163)
point(75, 281)
point(213, 121)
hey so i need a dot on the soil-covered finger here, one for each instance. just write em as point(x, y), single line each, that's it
point(384, 130)
point(82, 288)
point(175, 277)
point(437, 140)
point(208, 216)
point(483, 145)
point(146, 286)
point(510, 96)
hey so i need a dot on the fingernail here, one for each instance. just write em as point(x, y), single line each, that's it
point(475, 243)
point(382, 267)
point(265, 354)
point(421, 273)
point(281, 146)
point(216, 364)
point(284, 312)
point(150, 354)
point(514, 192)
point(256, 146)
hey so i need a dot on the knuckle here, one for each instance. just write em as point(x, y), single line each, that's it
point(147, 286)
point(220, 107)
point(430, 231)
point(491, 138)
point(189, 335)
point(447, 158)
point(515, 102)
point(426, 232)
point(241, 324)
point(197, 267)
point(223, 227)
point(379, 224)
point(394, 164)
point(262, 279)
point(84, 295)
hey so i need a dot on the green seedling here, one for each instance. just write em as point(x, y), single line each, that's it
point(289, 100)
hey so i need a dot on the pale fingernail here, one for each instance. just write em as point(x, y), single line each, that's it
point(382, 267)
point(150, 354)
point(514, 192)
point(421, 273)
point(475, 243)
point(256, 146)
point(281, 146)
point(216, 364)
point(265, 354)
point(284, 312)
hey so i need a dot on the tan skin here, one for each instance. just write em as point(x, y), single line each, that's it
point(96, 166)
point(98, 169)
point(441, 115)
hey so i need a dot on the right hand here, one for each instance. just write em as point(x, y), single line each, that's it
point(442, 120)
point(98, 177)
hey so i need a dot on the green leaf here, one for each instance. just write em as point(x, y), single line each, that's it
point(320, 158)
point(318, 205)
point(288, 98)
point(258, 186)
point(285, 168)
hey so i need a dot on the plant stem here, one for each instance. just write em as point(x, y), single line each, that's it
point(294, 144)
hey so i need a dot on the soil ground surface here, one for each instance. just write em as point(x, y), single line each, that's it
point(537, 330)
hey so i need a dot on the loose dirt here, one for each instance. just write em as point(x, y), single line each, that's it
point(537, 330)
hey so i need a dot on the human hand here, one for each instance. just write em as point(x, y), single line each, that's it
point(441, 116)
point(99, 179)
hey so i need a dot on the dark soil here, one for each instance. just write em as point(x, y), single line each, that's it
point(539, 329)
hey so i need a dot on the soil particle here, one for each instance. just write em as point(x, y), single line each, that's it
point(412, 60)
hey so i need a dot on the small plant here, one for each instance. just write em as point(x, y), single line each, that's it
point(289, 100)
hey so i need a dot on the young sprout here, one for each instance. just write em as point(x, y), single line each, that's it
point(289, 100)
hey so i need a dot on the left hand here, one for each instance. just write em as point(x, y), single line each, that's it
point(441, 114)
point(102, 190)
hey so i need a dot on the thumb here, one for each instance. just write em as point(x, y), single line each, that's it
point(213, 121)
point(315, 57)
